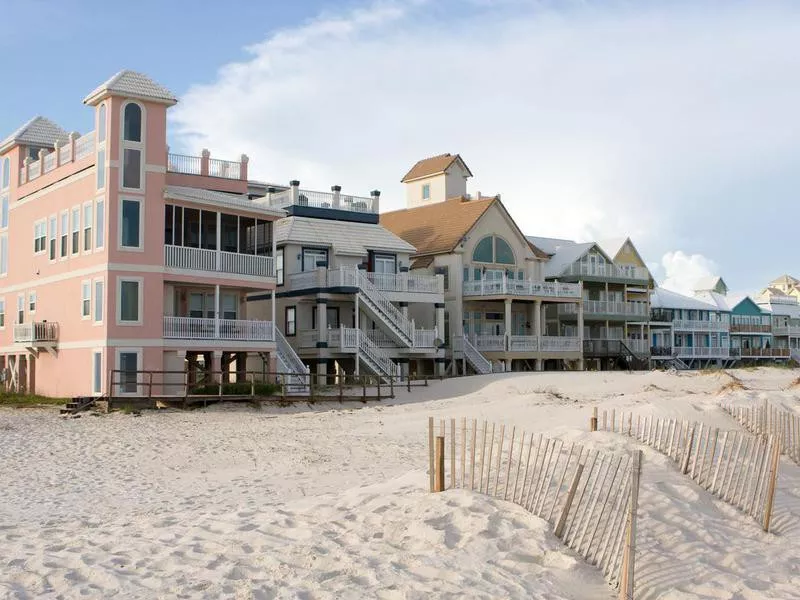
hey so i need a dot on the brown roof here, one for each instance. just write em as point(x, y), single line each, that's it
point(436, 228)
point(423, 262)
point(538, 252)
point(433, 165)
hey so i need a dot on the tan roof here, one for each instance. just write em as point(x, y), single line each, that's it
point(421, 263)
point(433, 165)
point(436, 228)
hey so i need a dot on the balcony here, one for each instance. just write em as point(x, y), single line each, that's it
point(206, 166)
point(761, 352)
point(36, 333)
point(236, 330)
point(522, 288)
point(607, 271)
point(345, 339)
point(607, 307)
point(525, 343)
point(702, 352)
point(750, 328)
point(406, 282)
point(787, 330)
point(695, 325)
point(310, 203)
point(202, 259)
point(399, 283)
point(75, 149)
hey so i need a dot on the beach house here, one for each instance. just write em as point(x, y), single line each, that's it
point(780, 298)
point(119, 258)
point(495, 295)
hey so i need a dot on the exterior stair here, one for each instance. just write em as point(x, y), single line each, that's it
point(794, 354)
point(381, 310)
point(297, 378)
point(77, 405)
point(481, 365)
point(376, 359)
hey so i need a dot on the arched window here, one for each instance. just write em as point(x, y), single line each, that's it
point(101, 123)
point(5, 173)
point(132, 129)
point(493, 249)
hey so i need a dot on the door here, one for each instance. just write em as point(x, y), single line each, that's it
point(129, 367)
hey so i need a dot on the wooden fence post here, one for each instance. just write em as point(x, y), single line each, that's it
point(364, 389)
point(629, 558)
point(452, 453)
point(773, 476)
point(562, 519)
point(593, 420)
point(438, 484)
point(688, 452)
point(430, 450)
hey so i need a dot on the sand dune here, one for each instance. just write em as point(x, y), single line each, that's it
point(330, 502)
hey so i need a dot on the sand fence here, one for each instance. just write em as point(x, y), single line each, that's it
point(738, 467)
point(589, 497)
point(768, 419)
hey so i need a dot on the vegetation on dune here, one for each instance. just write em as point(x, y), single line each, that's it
point(27, 400)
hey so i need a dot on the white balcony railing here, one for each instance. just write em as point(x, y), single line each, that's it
point(525, 343)
point(204, 165)
point(521, 287)
point(407, 282)
point(702, 352)
point(202, 259)
point(790, 330)
point(608, 271)
point(84, 146)
point(695, 325)
point(314, 199)
point(240, 330)
point(606, 307)
point(36, 332)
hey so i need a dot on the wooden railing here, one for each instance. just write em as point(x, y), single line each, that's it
point(36, 332)
point(750, 328)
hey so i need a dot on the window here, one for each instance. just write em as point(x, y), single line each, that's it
point(131, 168)
point(229, 306)
point(385, 263)
point(291, 320)
point(100, 225)
point(4, 254)
point(130, 224)
point(279, 265)
point(132, 128)
point(5, 173)
point(97, 372)
point(128, 371)
point(32, 302)
point(76, 230)
point(426, 191)
point(201, 305)
point(98, 300)
point(493, 249)
point(87, 227)
point(2, 312)
point(229, 234)
point(3, 212)
point(21, 308)
point(39, 237)
point(86, 299)
point(466, 273)
point(446, 277)
point(51, 236)
point(64, 233)
point(483, 251)
point(312, 256)
point(101, 169)
point(169, 224)
point(129, 304)
point(101, 124)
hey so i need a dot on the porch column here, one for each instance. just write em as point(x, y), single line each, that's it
point(581, 365)
point(404, 368)
point(216, 311)
point(322, 371)
point(440, 320)
point(322, 323)
point(358, 332)
point(216, 365)
point(219, 240)
point(22, 373)
point(537, 331)
point(31, 387)
point(507, 321)
point(404, 309)
point(272, 294)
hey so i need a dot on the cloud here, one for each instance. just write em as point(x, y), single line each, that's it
point(682, 271)
point(592, 119)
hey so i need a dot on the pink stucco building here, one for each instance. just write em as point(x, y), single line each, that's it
point(118, 258)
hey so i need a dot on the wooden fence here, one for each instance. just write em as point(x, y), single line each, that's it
point(737, 467)
point(589, 497)
point(770, 420)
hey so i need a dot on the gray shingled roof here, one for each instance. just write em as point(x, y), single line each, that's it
point(219, 199)
point(663, 298)
point(39, 131)
point(352, 239)
point(137, 85)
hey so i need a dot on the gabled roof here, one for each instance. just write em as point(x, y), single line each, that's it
point(612, 246)
point(785, 280)
point(563, 253)
point(664, 298)
point(711, 283)
point(436, 228)
point(433, 166)
point(352, 239)
point(718, 300)
point(134, 85)
point(549, 245)
point(39, 131)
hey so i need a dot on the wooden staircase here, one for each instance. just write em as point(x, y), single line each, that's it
point(78, 404)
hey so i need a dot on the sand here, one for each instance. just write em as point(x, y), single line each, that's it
point(331, 502)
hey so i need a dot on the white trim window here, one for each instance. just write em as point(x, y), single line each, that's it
point(131, 224)
point(279, 266)
point(2, 313)
point(5, 173)
point(76, 229)
point(87, 227)
point(100, 223)
point(20, 308)
point(64, 233)
point(132, 147)
point(97, 372)
point(52, 236)
point(99, 300)
point(129, 363)
point(86, 299)
point(4, 254)
point(129, 300)
point(40, 237)
point(32, 302)
point(101, 168)
point(4, 211)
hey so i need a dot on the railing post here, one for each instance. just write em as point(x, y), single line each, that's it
point(73, 137)
point(294, 186)
point(336, 189)
point(243, 161)
point(204, 159)
point(57, 145)
point(376, 199)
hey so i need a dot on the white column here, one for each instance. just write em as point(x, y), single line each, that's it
point(322, 321)
point(440, 320)
point(274, 309)
point(580, 329)
point(507, 321)
point(537, 330)
point(358, 333)
point(216, 311)
point(219, 240)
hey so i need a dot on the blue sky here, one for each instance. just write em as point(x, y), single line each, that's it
point(672, 122)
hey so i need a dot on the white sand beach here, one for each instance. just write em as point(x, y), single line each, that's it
point(331, 501)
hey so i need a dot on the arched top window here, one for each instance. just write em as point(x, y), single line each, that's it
point(132, 123)
point(5, 173)
point(493, 249)
point(101, 123)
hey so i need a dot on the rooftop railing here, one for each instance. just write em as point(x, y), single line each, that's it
point(294, 196)
point(74, 149)
point(206, 166)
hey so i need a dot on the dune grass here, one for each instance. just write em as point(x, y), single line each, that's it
point(28, 400)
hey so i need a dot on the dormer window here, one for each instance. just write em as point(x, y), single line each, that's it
point(426, 191)
point(133, 123)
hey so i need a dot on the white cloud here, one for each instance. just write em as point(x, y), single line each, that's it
point(593, 120)
point(682, 271)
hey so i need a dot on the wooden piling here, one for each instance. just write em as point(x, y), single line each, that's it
point(439, 464)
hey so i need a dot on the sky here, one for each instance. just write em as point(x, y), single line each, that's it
point(674, 123)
